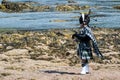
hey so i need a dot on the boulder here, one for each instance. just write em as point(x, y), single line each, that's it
point(15, 6)
point(9, 47)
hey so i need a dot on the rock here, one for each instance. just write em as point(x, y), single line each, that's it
point(71, 1)
point(58, 21)
point(42, 46)
point(41, 8)
point(71, 7)
point(70, 52)
point(67, 7)
point(18, 53)
point(17, 6)
point(9, 6)
point(12, 6)
point(9, 47)
point(85, 7)
point(1, 46)
point(2, 7)
point(111, 47)
point(4, 1)
point(117, 7)
point(29, 49)
point(58, 33)
point(45, 57)
point(3, 57)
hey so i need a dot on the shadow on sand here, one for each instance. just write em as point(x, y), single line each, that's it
point(59, 72)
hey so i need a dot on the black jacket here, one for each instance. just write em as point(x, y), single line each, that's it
point(85, 37)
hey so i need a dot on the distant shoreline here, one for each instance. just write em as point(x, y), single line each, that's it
point(20, 29)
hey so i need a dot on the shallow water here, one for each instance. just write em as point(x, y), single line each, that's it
point(103, 16)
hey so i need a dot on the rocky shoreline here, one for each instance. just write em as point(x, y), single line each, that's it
point(25, 52)
point(29, 6)
point(52, 42)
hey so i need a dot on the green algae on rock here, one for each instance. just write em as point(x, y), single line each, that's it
point(9, 6)
point(70, 7)
point(57, 43)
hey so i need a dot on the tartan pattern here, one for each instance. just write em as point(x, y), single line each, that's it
point(87, 31)
point(84, 53)
point(84, 48)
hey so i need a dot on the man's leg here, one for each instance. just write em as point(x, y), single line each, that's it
point(85, 67)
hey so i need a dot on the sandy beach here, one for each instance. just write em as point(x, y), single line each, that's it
point(51, 55)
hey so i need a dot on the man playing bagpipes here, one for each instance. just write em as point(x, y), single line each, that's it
point(85, 38)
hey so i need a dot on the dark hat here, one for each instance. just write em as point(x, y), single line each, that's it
point(86, 19)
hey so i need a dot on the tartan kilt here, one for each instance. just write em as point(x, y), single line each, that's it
point(84, 53)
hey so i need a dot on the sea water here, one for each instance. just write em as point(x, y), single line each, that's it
point(103, 15)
